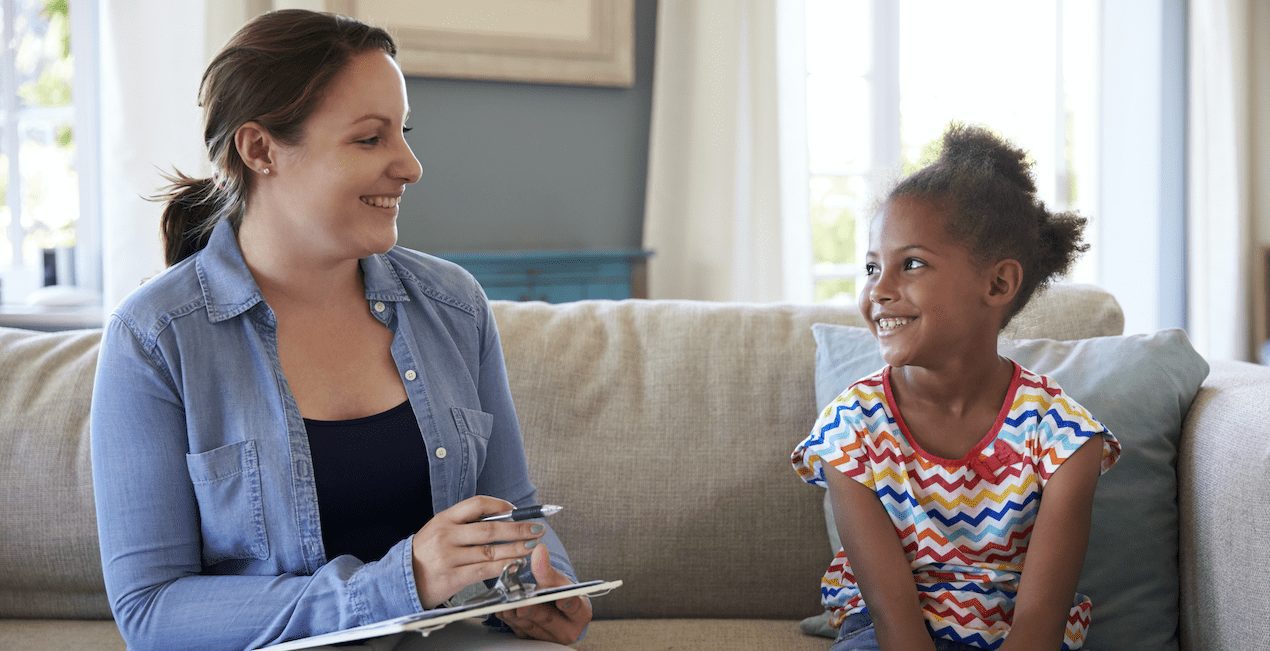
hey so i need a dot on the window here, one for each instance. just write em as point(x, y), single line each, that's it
point(885, 77)
point(47, 156)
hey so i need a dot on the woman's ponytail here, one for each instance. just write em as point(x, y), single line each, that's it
point(193, 206)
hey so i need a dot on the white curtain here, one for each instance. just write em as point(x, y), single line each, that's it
point(153, 53)
point(726, 198)
point(1219, 229)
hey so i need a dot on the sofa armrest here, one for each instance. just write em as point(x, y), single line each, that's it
point(1223, 493)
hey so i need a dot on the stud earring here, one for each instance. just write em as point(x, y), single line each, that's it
point(265, 171)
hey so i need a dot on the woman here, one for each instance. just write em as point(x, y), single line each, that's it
point(297, 424)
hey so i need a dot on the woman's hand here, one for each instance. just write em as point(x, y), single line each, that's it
point(559, 621)
point(453, 550)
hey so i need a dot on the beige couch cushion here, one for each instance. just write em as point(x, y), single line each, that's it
point(661, 634)
point(49, 561)
point(665, 429)
point(60, 634)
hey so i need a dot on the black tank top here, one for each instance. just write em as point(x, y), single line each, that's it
point(372, 481)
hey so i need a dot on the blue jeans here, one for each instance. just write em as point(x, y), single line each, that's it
point(857, 634)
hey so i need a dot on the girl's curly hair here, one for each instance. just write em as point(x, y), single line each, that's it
point(987, 187)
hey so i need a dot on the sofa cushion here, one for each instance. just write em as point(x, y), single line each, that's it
point(660, 634)
point(80, 635)
point(49, 562)
point(1140, 387)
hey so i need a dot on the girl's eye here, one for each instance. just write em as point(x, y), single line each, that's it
point(913, 263)
point(407, 129)
point(870, 268)
point(373, 140)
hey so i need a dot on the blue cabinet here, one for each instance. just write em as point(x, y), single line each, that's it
point(557, 276)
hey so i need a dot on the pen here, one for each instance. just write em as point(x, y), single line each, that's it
point(527, 513)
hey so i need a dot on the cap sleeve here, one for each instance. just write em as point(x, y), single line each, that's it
point(839, 439)
point(1065, 427)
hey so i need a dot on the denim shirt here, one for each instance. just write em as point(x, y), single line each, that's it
point(206, 507)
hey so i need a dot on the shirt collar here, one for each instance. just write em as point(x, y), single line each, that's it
point(229, 288)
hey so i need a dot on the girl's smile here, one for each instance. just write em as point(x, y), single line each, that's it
point(887, 325)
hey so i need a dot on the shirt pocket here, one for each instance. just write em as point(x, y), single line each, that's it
point(231, 510)
point(475, 428)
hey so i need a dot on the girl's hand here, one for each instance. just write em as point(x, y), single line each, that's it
point(560, 621)
point(453, 550)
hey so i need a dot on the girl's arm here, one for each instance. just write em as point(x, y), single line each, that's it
point(877, 559)
point(1056, 552)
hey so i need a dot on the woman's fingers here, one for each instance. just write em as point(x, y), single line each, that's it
point(576, 609)
point(470, 554)
point(526, 628)
point(474, 508)
point(482, 533)
point(474, 572)
point(542, 622)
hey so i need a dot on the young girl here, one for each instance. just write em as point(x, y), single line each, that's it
point(936, 464)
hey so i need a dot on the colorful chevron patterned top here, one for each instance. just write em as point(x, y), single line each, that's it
point(965, 524)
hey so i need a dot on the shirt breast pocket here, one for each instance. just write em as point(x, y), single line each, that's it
point(231, 510)
point(475, 428)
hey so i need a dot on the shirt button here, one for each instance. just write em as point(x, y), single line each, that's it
point(440, 453)
point(379, 306)
point(411, 375)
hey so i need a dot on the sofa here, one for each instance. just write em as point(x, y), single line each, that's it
point(664, 428)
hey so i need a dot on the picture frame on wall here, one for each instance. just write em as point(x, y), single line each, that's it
point(572, 42)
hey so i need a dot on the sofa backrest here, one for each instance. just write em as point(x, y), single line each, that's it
point(665, 430)
point(663, 427)
point(49, 562)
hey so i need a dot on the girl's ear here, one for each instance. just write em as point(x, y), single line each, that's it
point(255, 146)
point(1003, 286)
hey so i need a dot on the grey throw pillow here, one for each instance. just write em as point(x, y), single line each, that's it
point(1140, 387)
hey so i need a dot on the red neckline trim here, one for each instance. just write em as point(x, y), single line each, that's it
point(988, 437)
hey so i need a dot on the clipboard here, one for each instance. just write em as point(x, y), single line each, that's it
point(510, 591)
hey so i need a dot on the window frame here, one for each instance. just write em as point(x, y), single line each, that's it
point(886, 136)
point(85, 121)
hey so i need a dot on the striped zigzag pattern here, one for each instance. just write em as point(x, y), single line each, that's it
point(964, 526)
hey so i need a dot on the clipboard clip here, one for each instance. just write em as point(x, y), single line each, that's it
point(515, 582)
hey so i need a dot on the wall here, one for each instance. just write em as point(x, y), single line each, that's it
point(530, 166)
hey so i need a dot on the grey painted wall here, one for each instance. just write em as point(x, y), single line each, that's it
point(510, 166)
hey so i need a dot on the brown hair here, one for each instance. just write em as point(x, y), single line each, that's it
point(273, 71)
point(987, 185)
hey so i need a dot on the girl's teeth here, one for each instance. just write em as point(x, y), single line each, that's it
point(382, 202)
point(891, 324)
